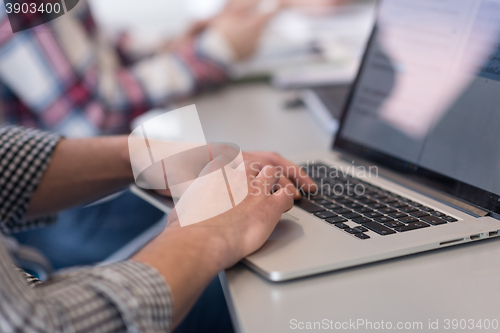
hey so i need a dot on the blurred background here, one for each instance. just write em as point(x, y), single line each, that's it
point(314, 43)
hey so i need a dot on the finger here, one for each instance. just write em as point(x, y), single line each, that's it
point(284, 200)
point(293, 172)
point(253, 168)
point(288, 186)
point(268, 178)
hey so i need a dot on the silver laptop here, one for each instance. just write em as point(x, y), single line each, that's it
point(415, 163)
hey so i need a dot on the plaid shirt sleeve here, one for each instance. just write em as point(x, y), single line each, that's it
point(24, 156)
point(128, 296)
point(64, 76)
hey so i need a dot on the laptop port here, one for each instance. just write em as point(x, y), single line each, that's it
point(494, 233)
point(476, 237)
point(451, 242)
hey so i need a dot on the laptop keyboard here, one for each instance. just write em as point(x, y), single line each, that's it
point(370, 207)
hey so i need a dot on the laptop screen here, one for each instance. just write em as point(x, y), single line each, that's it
point(427, 98)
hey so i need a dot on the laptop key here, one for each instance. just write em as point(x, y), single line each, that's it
point(342, 211)
point(364, 210)
point(341, 225)
point(398, 215)
point(354, 206)
point(373, 214)
point(449, 219)
point(361, 229)
point(325, 215)
point(394, 224)
point(419, 213)
point(308, 206)
point(351, 215)
point(378, 205)
point(362, 236)
point(352, 231)
point(438, 214)
point(434, 220)
point(322, 202)
point(408, 219)
point(379, 228)
point(408, 209)
point(362, 220)
point(345, 201)
point(412, 226)
point(333, 206)
point(384, 219)
point(387, 210)
point(338, 219)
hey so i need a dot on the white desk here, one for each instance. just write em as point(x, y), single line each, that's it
point(456, 283)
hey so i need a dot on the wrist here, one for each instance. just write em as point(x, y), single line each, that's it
point(201, 245)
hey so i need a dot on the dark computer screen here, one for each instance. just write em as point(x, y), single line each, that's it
point(427, 97)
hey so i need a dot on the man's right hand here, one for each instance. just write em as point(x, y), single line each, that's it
point(244, 229)
point(189, 257)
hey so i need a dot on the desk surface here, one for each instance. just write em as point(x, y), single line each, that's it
point(253, 116)
point(455, 283)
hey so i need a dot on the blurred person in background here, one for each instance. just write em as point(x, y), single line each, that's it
point(66, 76)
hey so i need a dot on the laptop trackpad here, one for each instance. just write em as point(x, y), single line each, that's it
point(287, 230)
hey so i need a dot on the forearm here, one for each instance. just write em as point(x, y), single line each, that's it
point(81, 171)
point(188, 258)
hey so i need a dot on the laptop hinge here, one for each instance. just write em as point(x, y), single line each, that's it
point(495, 215)
point(426, 190)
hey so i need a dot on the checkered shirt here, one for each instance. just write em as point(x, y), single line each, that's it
point(128, 296)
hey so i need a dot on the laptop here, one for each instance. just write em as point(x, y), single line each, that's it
point(325, 104)
point(414, 166)
point(418, 139)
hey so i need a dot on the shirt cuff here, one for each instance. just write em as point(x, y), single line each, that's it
point(136, 291)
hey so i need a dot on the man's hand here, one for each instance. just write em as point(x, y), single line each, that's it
point(294, 177)
point(189, 257)
point(243, 230)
